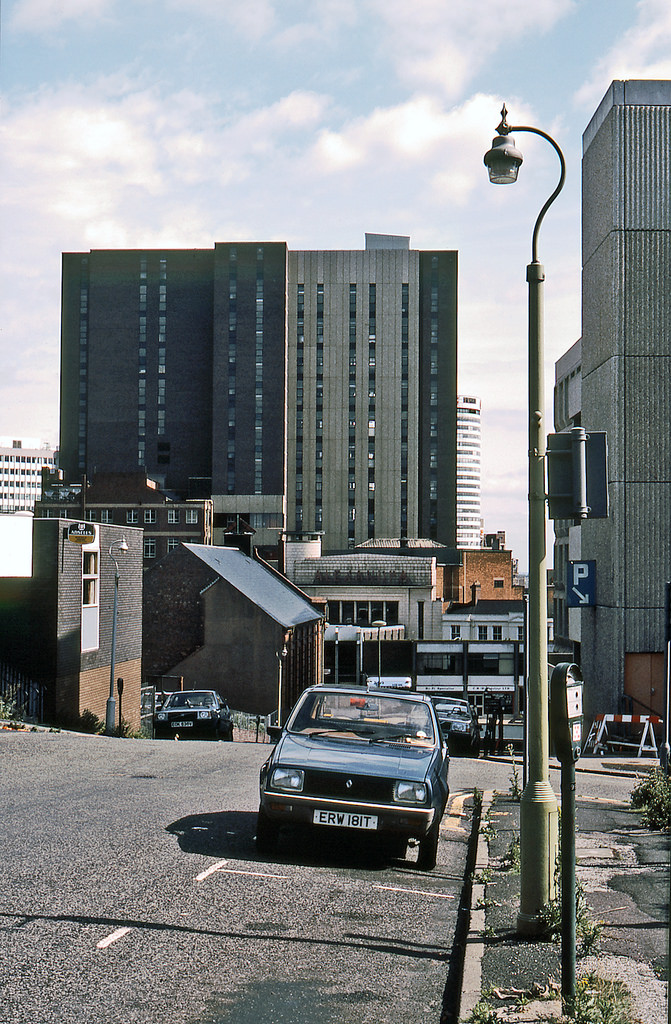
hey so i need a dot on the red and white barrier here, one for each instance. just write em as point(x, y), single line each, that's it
point(600, 741)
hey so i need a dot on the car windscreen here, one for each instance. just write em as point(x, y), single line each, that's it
point(452, 709)
point(365, 716)
point(192, 699)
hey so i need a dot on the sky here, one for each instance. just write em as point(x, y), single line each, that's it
point(180, 123)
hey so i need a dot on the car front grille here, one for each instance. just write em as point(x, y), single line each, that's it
point(348, 787)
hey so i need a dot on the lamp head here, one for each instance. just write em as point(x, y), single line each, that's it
point(503, 160)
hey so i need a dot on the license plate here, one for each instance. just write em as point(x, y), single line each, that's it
point(181, 725)
point(344, 819)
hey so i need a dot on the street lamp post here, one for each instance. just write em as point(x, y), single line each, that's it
point(538, 808)
point(379, 623)
point(110, 711)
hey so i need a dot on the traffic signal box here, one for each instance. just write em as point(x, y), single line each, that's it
point(577, 477)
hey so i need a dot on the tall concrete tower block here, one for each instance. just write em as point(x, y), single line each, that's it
point(626, 389)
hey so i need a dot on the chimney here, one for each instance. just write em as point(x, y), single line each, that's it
point(475, 593)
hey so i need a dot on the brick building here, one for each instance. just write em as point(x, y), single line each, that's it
point(56, 618)
point(494, 572)
point(216, 617)
point(130, 499)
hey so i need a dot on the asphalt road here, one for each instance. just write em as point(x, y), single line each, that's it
point(132, 892)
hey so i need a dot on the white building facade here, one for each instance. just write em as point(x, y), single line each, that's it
point(21, 463)
point(469, 521)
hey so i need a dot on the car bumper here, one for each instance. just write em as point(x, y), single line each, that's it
point(397, 819)
point(197, 731)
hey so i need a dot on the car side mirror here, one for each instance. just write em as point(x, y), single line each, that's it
point(274, 731)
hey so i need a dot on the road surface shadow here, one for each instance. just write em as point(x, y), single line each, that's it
point(232, 834)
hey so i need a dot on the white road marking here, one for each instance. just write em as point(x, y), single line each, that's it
point(254, 874)
point(210, 871)
point(417, 892)
point(118, 934)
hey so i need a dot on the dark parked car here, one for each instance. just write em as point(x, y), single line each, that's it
point(194, 714)
point(360, 761)
point(459, 723)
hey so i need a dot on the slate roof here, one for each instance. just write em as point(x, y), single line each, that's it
point(278, 599)
point(487, 608)
point(361, 569)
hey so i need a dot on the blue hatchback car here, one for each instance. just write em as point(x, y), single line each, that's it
point(358, 761)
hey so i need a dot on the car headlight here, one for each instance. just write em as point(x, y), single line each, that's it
point(288, 778)
point(410, 792)
point(459, 727)
point(203, 714)
point(161, 717)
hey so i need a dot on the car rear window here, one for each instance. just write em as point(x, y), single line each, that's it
point(192, 699)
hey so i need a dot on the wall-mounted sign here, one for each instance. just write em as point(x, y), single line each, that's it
point(581, 584)
point(82, 533)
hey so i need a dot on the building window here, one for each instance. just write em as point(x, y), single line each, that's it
point(173, 516)
point(482, 632)
point(149, 550)
point(90, 578)
point(132, 517)
point(456, 632)
point(497, 632)
point(150, 515)
point(90, 624)
point(191, 516)
point(173, 542)
point(498, 583)
point(105, 515)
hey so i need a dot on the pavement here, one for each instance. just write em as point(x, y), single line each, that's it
point(623, 869)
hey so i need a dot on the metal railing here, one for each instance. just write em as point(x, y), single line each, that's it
point(20, 695)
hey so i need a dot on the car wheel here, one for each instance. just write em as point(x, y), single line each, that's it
point(428, 849)
point(267, 833)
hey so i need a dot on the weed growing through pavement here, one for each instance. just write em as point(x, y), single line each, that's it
point(511, 858)
point(598, 1001)
point(483, 1013)
point(515, 787)
point(588, 932)
point(487, 827)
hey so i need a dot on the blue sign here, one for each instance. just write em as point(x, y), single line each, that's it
point(581, 584)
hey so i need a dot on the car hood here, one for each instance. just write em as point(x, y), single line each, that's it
point(359, 758)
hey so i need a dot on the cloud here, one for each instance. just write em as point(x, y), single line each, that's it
point(42, 16)
point(641, 52)
point(437, 44)
point(254, 19)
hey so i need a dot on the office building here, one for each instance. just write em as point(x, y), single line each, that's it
point(299, 390)
point(625, 378)
point(469, 516)
point(21, 464)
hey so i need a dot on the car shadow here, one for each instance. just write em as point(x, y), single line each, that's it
point(232, 834)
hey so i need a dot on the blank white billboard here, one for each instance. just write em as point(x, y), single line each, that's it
point(16, 545)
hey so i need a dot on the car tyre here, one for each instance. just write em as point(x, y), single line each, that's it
point(267, 833)
point(428, 848)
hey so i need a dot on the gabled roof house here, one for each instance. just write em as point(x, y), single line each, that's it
point(216, 617)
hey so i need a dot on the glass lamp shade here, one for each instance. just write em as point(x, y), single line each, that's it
point(503, 160)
